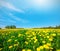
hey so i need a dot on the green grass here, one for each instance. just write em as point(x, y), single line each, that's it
point(30, 39)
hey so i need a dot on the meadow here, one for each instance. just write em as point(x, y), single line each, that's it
point(30, 40)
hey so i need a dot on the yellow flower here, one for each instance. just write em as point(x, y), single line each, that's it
point(26, 42)
point(23, 50)
point(43, 41)
point(19, 35)
point(1, 49)
point(33, 33)
point(15, 44)
point(40, 35)
point(28, 49)
point(46, 46)
point(53, 34)
point(50, 39)
point(51, 48)
point(10, 47)
point(28, 32)
point(35, 41)
point(44, 31)
point(27, 38)
point(47, 36)
point(58, 50)
point(9, 40)
point(34, 37)
point(12, 36)
point(38, 49)
point(41, 47)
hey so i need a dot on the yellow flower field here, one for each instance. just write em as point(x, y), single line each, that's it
point(30, 40)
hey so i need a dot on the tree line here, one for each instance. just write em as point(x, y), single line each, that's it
point(10, 27)
point(14, 27)
point(50, 27)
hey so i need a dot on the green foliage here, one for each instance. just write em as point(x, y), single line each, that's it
point(0, 28)
point(10, 27)
point(50, 27)
point(17, 40)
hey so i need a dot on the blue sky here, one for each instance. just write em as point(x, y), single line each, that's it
point(29, 13)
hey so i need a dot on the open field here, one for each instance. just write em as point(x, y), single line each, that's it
point(30, 40)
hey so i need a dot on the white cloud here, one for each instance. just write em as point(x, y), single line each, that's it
point(10, 6)
point(43, 4)
point(5, 21)
point(17, 18)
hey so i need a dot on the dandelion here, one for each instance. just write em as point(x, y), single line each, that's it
point(9, 40)
point(38, 49)
point(58, 50)
point(26, 42)
point(51, 49)
point(1, 49)
point(19, 35)
point(15, 44)
point(49, 44)
point(33, 33)
point(23, 50)
point(10, 47)
point(35, 41)
point(26, 50)
point(34, 37)
point(50, 39)
point(40, 35)
point(46, 46)
point(27, 38)
point(41, 47)
point(47, 36)
point(43, 41)
point(53, 34)
point(12, 36)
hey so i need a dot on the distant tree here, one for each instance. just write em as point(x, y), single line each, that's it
point(49, 27)
point(0, 28)
point(10, 27)
point(58, 26)
point(7, 27)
